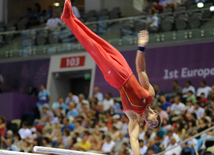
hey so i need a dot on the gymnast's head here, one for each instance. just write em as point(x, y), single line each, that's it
point(152, 118)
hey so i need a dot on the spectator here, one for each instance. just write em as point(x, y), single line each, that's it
point(203, 99)
point(126, 149)
point(165, 104)
point(163, 114)
point(180, 130)
point(116, 122)
point(176, 88)
point(108, 145)
point(153, 146)
point(85, 144)
point(143, 148)
point(177, 108)
point(66, 137)
point(39, 137)
point(175, 151)
point(166, 125)
point(49, 12)
point(152, 21)
point(72, 111)
point(114, 133)
point(67, 125)
point(116, 108)
point(29, 13)
point(25, 132)
point(189, 146)
point(48, 116)
point(190, 108)
point(150, 151)
point(188, 87)
point(9, 134)
point(3, 124)
point(203, 125)
point(161, 133)
point(71, 98)
point(37, 11)
point(142, 133)
point(158, 91)
point(78, 128)
point(46, 142)
point(75, 9)
point(44, 98)
point(208, 136)
point(108, 102)
point(119, 142)
point(98, 95)
point(58, 104)
point(174, 3)
point(212, 91)
point(198, 110)
point(125, 124)
point(102, 126)
point(56, 132)
point(161, 5)
point(167, 138)
point(54, 21)
point(191, 97)
point(26, 146)
point(204, 89)
point(10, 145)
point(192, 128)
point(95, 143)
point(81, 100)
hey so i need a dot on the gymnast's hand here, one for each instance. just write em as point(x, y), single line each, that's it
point(143, 38)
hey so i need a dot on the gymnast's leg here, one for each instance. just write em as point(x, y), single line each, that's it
point(112, 64)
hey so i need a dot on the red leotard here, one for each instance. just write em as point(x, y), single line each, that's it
point(113, 65)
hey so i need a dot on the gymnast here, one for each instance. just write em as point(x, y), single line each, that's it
point(136, 97)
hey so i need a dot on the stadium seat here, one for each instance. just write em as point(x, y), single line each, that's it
point(1, 29)
point(140, 25)
point(103, 12)
point(181, 22)
point(115, 13)
point(195, 20)
point(13, 127)
point(41, 39)
point(93, 27)
point(180, 11)
point(127, 29)
point(17, 122)
point(91, 13)
point(167, 23)
point(206, 14)
point(53, 38)
point(22, 24)
point(103, 26)
point(91, 19)
point(9, 37)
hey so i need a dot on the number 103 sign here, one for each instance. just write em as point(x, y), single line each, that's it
point(72, 62)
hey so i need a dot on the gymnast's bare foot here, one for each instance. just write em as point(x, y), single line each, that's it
point(67, 12)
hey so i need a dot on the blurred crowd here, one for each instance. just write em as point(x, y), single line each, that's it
point(99, 125)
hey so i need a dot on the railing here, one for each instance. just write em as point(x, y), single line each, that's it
point(46, 41)
point(186, 140)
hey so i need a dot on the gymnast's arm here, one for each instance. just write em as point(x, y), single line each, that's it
point(143, 38)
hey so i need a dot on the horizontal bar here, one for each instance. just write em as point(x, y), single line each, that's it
point(40, 149)
point(4, 152)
